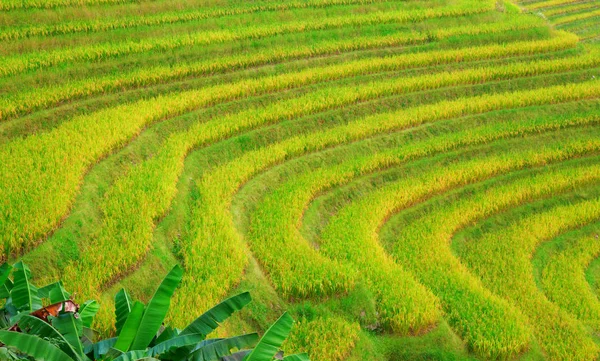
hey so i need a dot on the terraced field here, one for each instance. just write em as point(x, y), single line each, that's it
point(412, 180)
point(580, 17)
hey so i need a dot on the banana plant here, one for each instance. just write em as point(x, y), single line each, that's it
point(61, 331)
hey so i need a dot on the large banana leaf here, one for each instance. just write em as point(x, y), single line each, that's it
point(24, 294)
point(272, 340)
point(176, 342)
point(134, 355)
point(157, 309)
point(238, 356)
point(6, 354)
point(34, 326)
point(184, 352)
point(211, 319)
point(9, 313)
point(44, 292)
point(100, 348)
point(130, 328)
point(167, 333)
point(88, 336)
point(71, 328)
point(58, 293)
point(123, 306)
point(39, 349)
point(214, 351)
point(5, 283)
point(87, 312)
point(297, 357)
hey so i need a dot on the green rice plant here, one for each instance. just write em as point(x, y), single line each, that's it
point(587, 29)
point(134, 224)
point(563, 276)
point(41, 173)
point(27, 101)
point(6, 5)
point(510, 8)
point(164, 18)
point(546, 4)
point(275, 222)
point(501, 258)
point(213, 222)
point(427, 250)
point(28, 216)
point(48, 4)
point(575, 7)
point(162, 167)
point(16, 64)
point(576, 17)
point(328, 338)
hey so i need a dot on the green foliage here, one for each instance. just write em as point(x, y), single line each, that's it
point(60, 331)
point(272, 340)
point(71, 328)
point(123, 305)
point(137, 134)
point(157, 309)
point(33, 346)
point(24, 295)
point(34, 326)
point(87, 312)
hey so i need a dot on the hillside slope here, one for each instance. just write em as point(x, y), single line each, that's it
point(412, 179)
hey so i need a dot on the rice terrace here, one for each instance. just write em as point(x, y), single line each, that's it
point(408, 179)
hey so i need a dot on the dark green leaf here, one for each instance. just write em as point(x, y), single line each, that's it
point(9, 311)
point(211, 319)
point(44, 292)
point(8, 355)
point(238, 356)
point(71, 329)
point(134, 355)
point(167, 334)
point(24, 294)
point(5, 282)
point(4, 318)
point(58, 293)
point(35, 326)
point(100, 348)
point(87, 337)
point(175, 343)
point(87, 312)
point(183, 352)
point(130, 328)
point(272, 340)
point(5, 288)
point(216, 350)
point(157, 309)
point(123, 306)
point(112, 353)
point(33, 346)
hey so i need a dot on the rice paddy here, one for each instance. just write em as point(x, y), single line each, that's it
point(411, 180)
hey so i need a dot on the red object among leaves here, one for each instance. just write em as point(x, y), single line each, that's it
point(50, 310)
